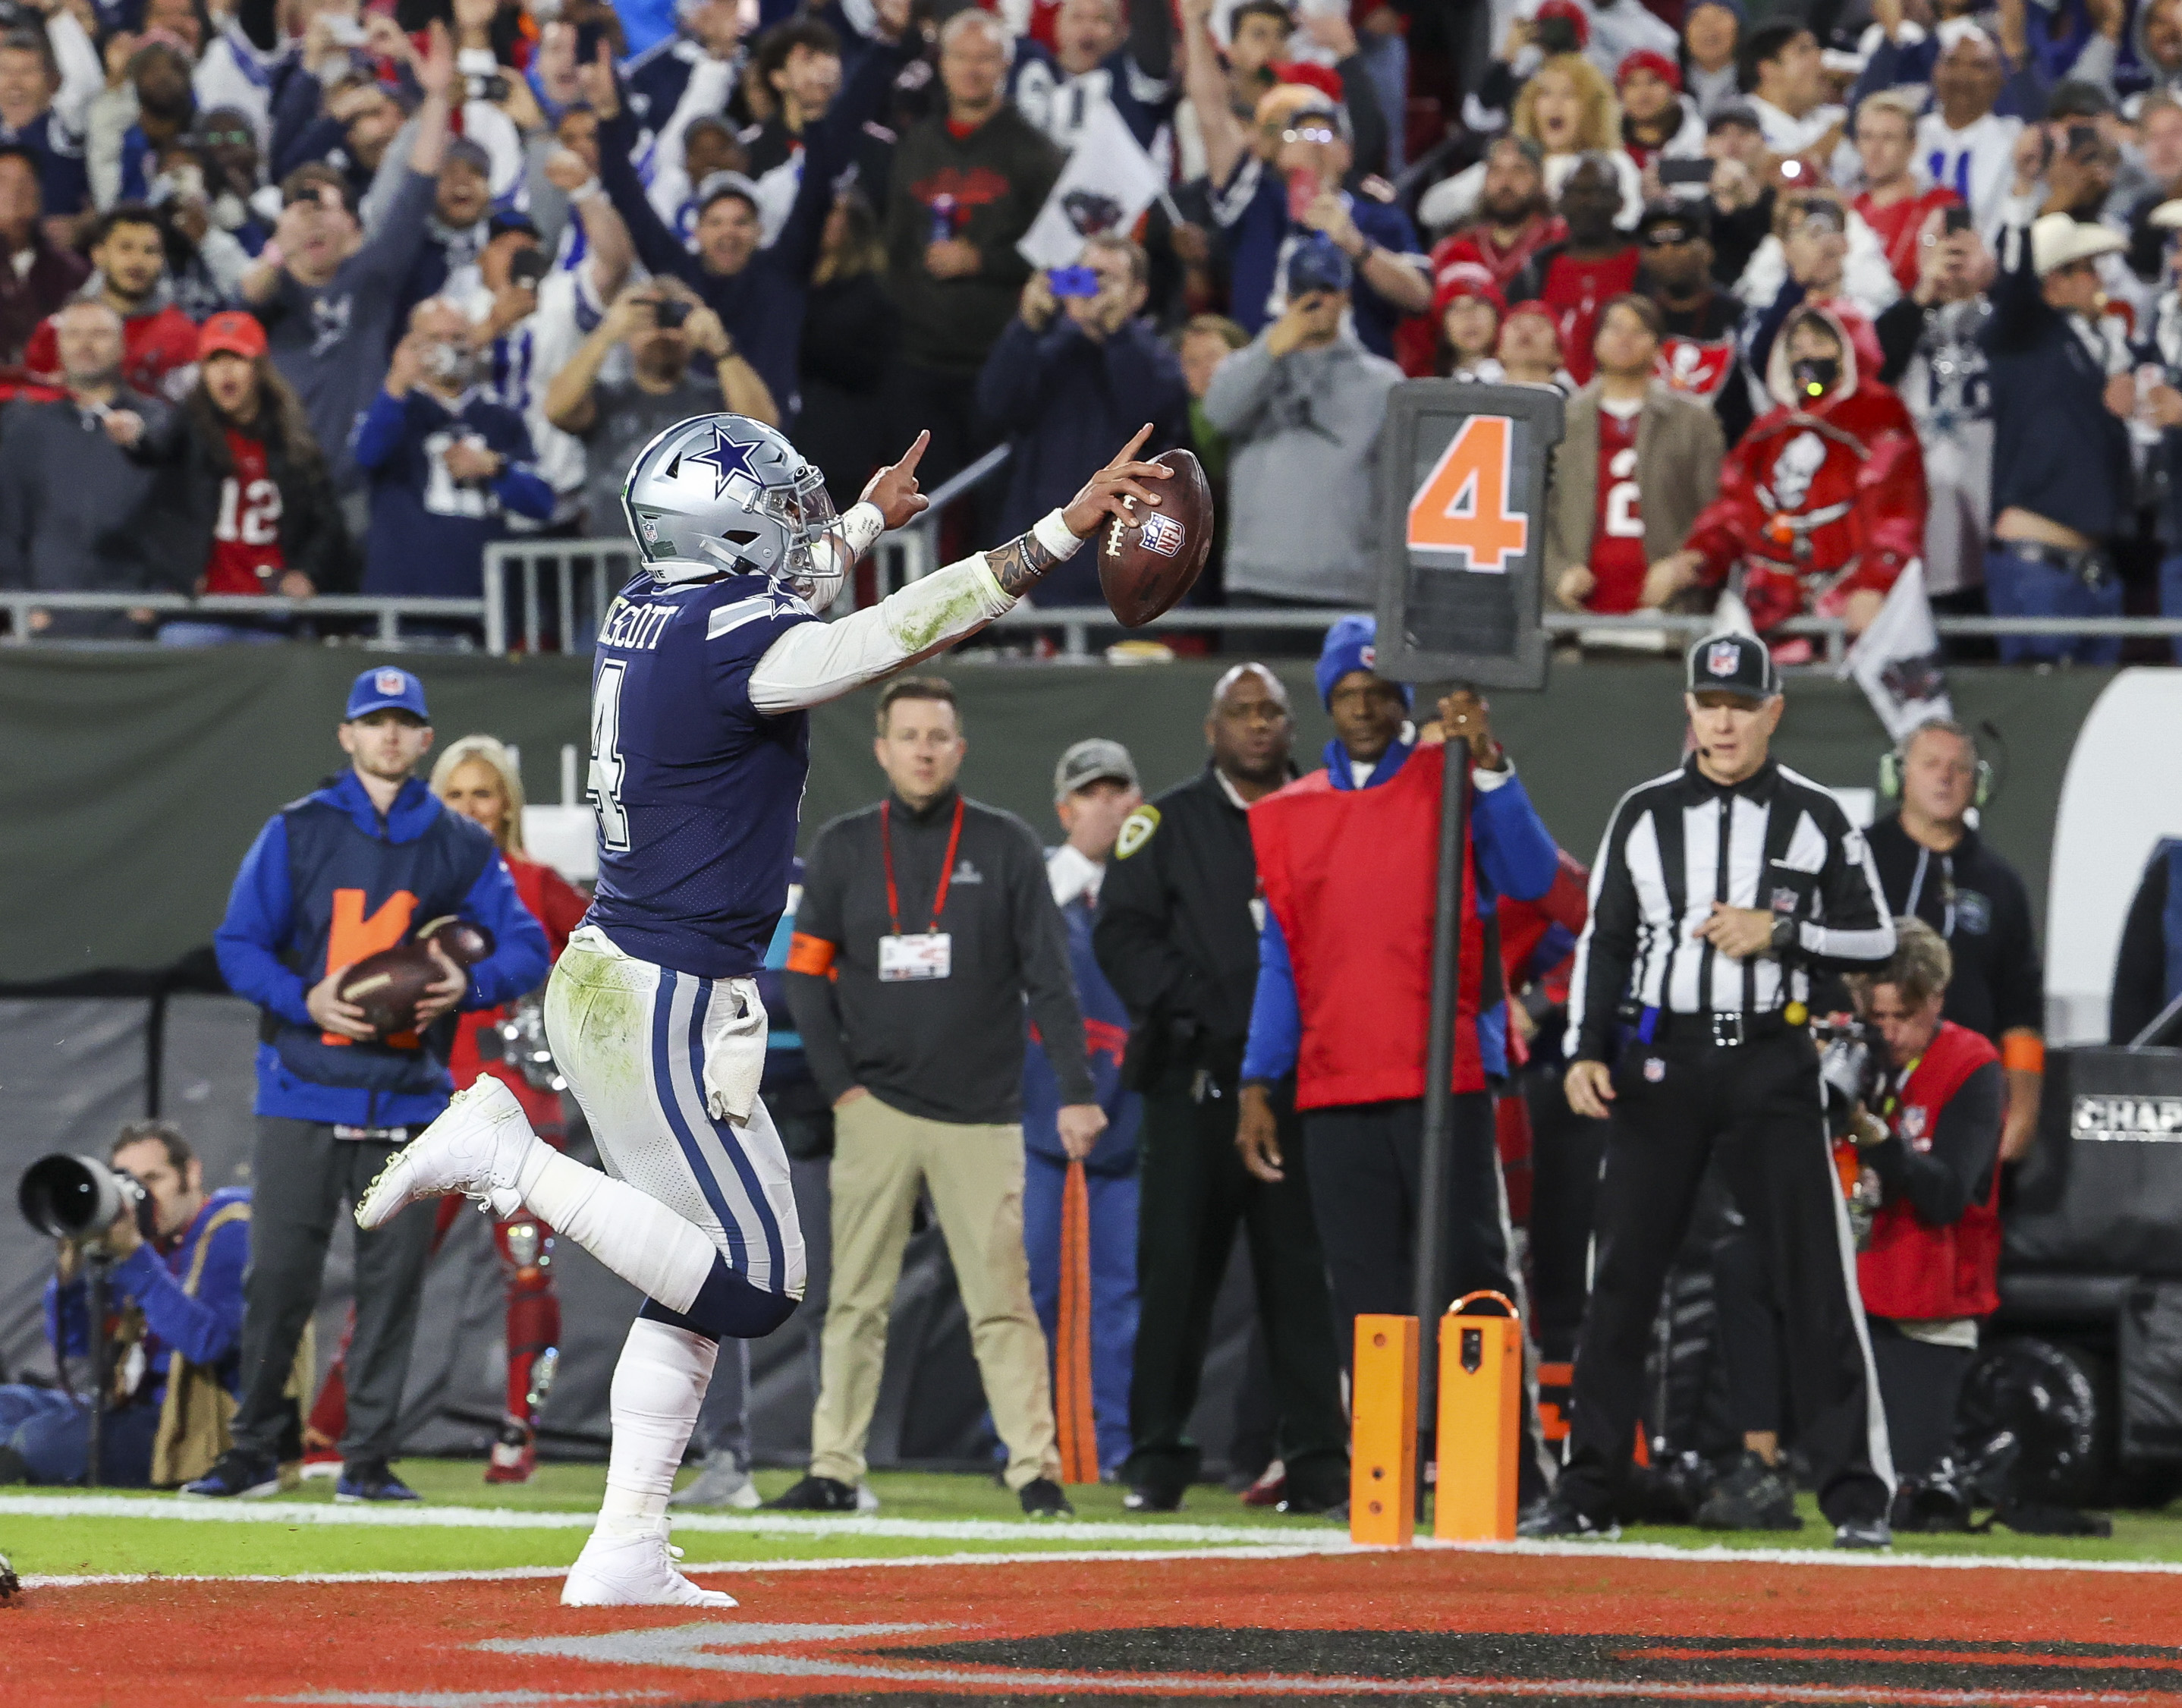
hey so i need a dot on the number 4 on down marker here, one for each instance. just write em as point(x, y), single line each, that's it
point(1463, 505)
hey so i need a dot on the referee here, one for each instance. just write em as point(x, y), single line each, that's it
point(1719, 889)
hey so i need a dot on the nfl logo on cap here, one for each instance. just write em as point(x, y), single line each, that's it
point(386, 688)
point(389, 683)
point(1722, 656)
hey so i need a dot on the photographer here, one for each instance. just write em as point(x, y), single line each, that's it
point(173, 1316)
point(1929, 1270)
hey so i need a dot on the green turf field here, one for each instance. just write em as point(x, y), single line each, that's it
point(920, 1515)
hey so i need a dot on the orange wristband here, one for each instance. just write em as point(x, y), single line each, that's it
point(811, 955)
point(2023, 1052)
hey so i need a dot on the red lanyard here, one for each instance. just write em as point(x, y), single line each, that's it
point(946, 872)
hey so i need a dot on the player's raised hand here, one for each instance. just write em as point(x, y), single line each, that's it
point(1108, 491)
point(894, 488)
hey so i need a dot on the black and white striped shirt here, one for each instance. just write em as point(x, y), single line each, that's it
point(1776, 840)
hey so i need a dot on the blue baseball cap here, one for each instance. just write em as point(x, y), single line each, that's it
point(385, 688)
point(1351, 644)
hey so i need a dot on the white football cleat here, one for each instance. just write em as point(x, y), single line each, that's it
point(476, 1148)
point(636, 1569)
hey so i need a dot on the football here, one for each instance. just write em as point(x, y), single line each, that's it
point(389, 985)
point(1145, 567)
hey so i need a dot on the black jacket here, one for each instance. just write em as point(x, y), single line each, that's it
point(1978, 902)
point(947, 1049)
point(194, 470)
point(1177, 933)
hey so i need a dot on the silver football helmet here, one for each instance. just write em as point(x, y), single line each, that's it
point(725, 494)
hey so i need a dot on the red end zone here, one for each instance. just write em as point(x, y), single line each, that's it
point(1481, 1628)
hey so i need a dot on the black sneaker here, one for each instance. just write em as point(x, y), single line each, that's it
point(815, 1495)
point(1152, 1500)
point(1753, 1496)
point(1559, 1523)
point(370, 1480)
point(1041, 1498)
point(238, 1475)
point(1864, 1532)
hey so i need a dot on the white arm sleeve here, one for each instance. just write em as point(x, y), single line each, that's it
point(814, 663)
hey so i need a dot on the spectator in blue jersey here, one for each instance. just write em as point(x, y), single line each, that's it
point(166, 107)
point(326, 292)
point(348, 870)
point(690, 72)
point(448, 465)
point(1094, 789)
point(757, 293)
point(1104, 54)
point(29, 79)
point(1070, 376)
point(175, 1290)
point(1279, 181)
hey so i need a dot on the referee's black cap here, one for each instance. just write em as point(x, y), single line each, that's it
point(1732, 663)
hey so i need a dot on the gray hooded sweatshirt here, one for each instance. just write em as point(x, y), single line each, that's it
point(1303, 435)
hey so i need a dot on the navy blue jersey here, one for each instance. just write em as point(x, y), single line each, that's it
point(696, 791)
point(428, 530)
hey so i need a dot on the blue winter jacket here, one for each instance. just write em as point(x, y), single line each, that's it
point(328, 880)
point(1105, 1041)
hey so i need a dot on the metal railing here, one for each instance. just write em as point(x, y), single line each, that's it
point(386, 614)
point(571, 582)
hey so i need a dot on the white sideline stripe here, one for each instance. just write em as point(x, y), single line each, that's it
point(174, 1509)
point(508, 1574)
point(1716, 1555)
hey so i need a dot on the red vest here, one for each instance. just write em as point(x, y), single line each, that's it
point(1912, 1271)
point(1350, 875)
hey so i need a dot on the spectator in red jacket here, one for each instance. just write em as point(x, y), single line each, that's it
point(159, 343)
point(1892, 202)
point(1514, 218)
point(1467, 309)
point(1823, 500)
point(1576, 278)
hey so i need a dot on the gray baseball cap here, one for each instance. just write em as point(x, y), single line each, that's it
point(1086, 761)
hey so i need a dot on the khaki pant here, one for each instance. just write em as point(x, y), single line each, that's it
point(976, 1175)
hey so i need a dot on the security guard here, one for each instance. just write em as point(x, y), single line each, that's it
point(1719, 889)
point(1178, 937)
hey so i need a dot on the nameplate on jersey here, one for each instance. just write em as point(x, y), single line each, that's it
point(915, 956)
point(631, 628)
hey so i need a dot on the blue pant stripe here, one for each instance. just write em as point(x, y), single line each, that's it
point(730, 1143)
point(663, 1062)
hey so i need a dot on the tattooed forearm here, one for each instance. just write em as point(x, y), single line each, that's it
point(1019, 565)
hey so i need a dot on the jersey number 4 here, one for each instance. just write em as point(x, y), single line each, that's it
point(607, 766)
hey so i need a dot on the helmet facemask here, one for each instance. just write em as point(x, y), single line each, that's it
point(817, 559)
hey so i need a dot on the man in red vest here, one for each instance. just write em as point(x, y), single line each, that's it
point(1929, 1271)
point(1347, 859)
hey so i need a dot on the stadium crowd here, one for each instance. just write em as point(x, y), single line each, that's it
point(307, 297)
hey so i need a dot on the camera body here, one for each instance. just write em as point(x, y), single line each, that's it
point(1852, 1068)
point(67, 1197)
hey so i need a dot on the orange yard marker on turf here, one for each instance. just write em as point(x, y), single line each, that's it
point(1382, 1448)
point(1480, 1383)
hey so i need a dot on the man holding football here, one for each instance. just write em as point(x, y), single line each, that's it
point(354, 868)
point(707, 668)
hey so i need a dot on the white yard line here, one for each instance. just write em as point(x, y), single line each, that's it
point(1335, 1545)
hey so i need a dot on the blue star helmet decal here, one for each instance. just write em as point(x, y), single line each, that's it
point(727, 457)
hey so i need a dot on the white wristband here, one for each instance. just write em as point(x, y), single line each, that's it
point(861, 527)
point(1052, 533)
point(584, 190)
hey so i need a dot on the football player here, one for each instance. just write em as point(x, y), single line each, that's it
point(707, 665)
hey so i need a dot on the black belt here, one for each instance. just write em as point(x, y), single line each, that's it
point(1724, 1031)
point(2087, 563)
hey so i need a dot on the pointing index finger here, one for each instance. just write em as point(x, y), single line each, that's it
point(1128, 452)
point(911, 457)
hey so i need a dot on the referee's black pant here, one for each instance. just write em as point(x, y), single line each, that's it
point(1759, 1103)
point(1367, 1160)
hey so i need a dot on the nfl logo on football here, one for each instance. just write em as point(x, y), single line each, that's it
point(1162, 534)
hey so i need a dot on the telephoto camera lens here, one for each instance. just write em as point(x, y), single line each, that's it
point(68, 1197)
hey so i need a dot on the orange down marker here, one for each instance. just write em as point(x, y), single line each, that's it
point(1480, 1385)
point(1383, 1449)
